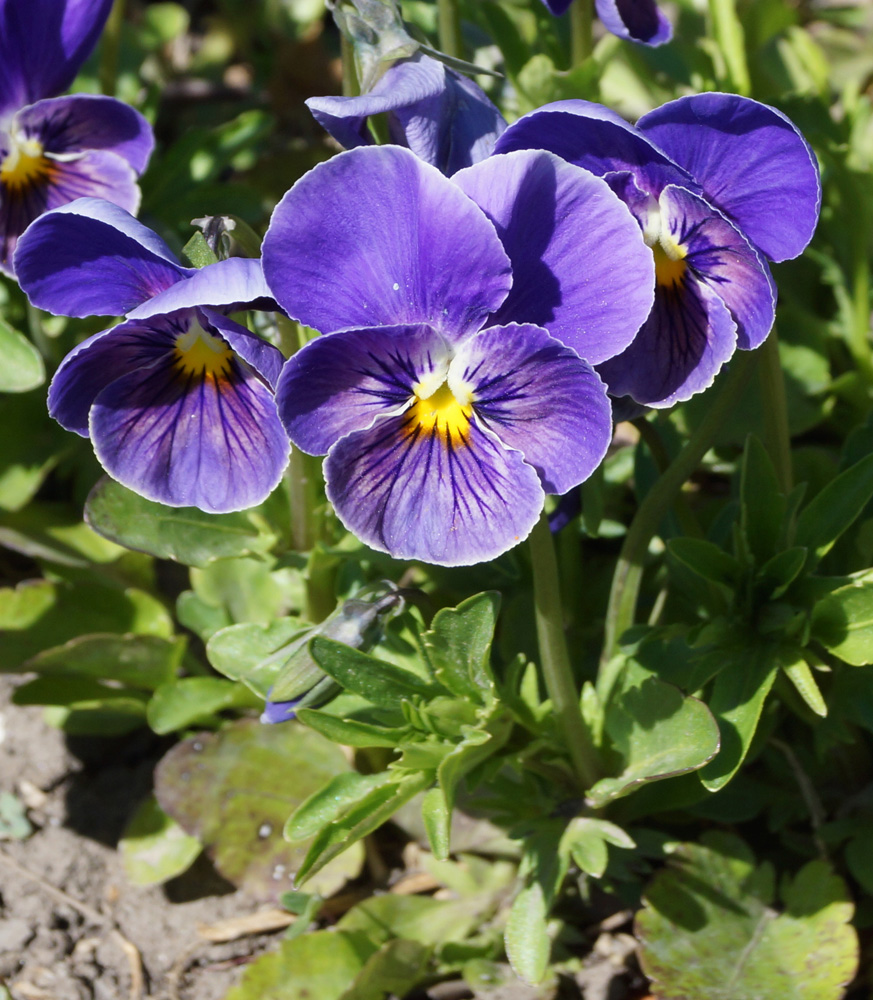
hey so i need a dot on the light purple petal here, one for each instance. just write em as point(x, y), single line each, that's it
point(213, 442)
point(751, 162)
point(376, 237)
point(92, 365)
point(722, 258)
point(597, 139)
point(237, 282)
point(43, 43)
point(636, 20)
point(266, 360)
point(341, 383)
point(540, 398)
point(580, 266)
point(418, 495)
point(92, 258)
point(88, 121)
point(679, 350)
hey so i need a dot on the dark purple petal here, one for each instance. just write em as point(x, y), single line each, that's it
point(722, 258)
point(95, 363)
point(453, 499)
point(341, 383)
point(53, 183)
point(376, 237)
point(539, 398)
point(43, 43)
point(557, 7)
point(92, 258)
point(237, 282)
point(75, 124)
point(595, 138)
point(635, 20)
point(680, 349)
point(751, 162)
point(580, 267)
point(210, 439)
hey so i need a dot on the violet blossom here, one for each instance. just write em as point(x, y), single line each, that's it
point(635, 20)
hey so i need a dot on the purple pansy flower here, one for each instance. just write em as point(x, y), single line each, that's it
point(445, 407)
point(635, 20)
point(177, 399)
point(56, 149)
point(440, 115)
point(718, 183)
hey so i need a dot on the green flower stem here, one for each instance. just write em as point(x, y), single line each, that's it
point(581, 20)
point(449, 28)
point(555, 660)
point(629, 569)
point(777, 436)
point(301, 484)
point(351, 84)
point(110, 45)
point(685, 515)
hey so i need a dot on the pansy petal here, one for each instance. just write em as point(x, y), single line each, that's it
point(595, 138)
point(95, 363)
point(722, 258)
point(96, 174)
point(43, 43)
point(266, 359)
point(341, 383)
point(81, 122)
point(233, 284)
point(580, 266)
point(636, 20)
point(210, 442)
point(92, 258)
point(557, 7)
point(540, 398)
point(417, 495)
point(680, 349)
point(376, 237)
point(751, 162)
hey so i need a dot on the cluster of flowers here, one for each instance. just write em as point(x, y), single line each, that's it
point(480, 290)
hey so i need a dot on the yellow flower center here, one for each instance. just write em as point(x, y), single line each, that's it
point(25, 165)
point(440, 412)
point(670, 267)
point(200, 354)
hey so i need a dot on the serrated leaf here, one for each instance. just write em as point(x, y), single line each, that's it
point(835, 508)
point(459, 646)
point(843, 621)
point(183, 534)
point(23, 368)
point(708, 929)
point(234, 789)
point(154, 848)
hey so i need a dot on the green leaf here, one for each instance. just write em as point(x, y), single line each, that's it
point(198, 251)
point(843, 621)
point(738, 696)
point(459, 646)
point(436, 816)
point(395, 968)
point(351, 732)
point(183, 534)
point(331, 801)
point(247, 652)
point(778, 573)
point(797, 670)
point(14, 824)
point(423, 919)
point(586, 838)
point(706, 560)
point(233, 791)
point(379, 682)
point(835, 508)
point(141, 661)
point(762, 505)
point(192, 701)
point(709, 928)
point(23, 368)
point(657, 733)
point(317, 966)
point(154, 848)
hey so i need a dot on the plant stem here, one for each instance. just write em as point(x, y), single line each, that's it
point(629, 568)
point(555, 660)
point(109, 48)
point(777, 436)
point(581, 19)
point(351, 84)
point(449, 28)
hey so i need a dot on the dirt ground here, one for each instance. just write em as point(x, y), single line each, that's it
point(72, 927)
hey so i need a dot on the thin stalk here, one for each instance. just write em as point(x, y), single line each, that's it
point(110, 45)
point(351, 84)
point(581, 35)
point(777, 436)
point(554, 658)
point(301, 490)
point(685, 515)
point(629, 568)
point(451, 40)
